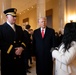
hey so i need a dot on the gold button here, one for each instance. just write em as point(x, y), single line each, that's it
point(14, 41)
point(19, 56)
point(14, 57)
point(19, 41)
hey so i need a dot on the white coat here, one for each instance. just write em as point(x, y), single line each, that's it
point(65, 62)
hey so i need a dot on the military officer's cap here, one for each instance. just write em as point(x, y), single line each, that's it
point(10, 11)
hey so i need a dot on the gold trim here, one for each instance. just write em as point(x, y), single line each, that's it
point(15, 10)
point(23, 44)
point(9, 49)
point(11, 13)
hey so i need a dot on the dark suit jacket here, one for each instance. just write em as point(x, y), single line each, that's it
point(27, 36)
point(10, 65)
point(42, 47)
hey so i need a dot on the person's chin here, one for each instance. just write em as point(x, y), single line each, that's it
point(43, 26)
point(14, 22)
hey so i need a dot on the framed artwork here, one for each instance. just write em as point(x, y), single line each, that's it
point(25, 22)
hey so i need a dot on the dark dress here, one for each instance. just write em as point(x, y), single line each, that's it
point(42, 47)
point(10, 63)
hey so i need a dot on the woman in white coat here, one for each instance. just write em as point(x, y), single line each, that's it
point(65, 56)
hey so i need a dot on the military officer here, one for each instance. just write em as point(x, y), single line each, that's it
point(12, 45)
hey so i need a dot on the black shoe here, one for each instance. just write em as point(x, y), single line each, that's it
point(28, 71)
point(29, 67)
point(31, 63)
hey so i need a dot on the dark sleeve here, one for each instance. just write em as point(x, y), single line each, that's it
point(27, 38)
point(2, 42)
point(54, 40)
point(23, 41)
point(33, 43)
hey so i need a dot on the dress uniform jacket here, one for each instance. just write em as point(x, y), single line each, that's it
point(9, 39)
point(42, 47)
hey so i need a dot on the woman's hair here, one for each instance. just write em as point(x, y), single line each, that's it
point(69, 34)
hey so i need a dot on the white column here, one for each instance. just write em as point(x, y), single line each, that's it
point(41, 10)
point(62, 13)
point(4, 4)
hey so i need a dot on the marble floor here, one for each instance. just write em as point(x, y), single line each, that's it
point(32, 70)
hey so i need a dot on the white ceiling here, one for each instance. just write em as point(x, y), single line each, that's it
point(23, 4)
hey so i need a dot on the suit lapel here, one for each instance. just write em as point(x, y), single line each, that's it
point(16, 32)
point(39, 33)
point(45, 33)
point(9, 27)
point(9, 31)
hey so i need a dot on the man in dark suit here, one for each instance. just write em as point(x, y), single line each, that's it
point(42, 43)
point(28, 52)
point(12, 46)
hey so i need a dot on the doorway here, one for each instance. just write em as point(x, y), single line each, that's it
point(49, 14)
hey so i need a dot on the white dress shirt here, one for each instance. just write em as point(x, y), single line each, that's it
point(12, 25)
point(43, 29)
